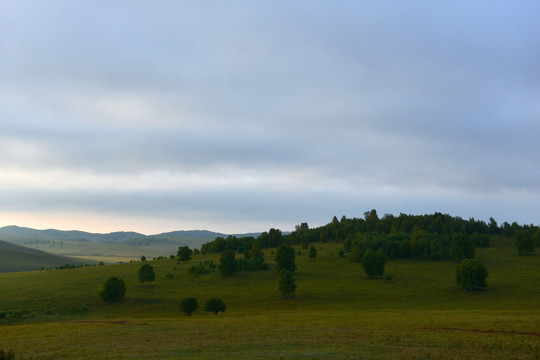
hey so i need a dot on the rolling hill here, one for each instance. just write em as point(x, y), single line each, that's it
point(19, 258)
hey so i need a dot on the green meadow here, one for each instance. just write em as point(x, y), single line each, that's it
point(337, 312)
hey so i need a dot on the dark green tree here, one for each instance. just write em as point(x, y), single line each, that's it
point(184, 253)
point(524, 242)
point(462, 247)
point(471, 274)
point(312, 252)
point(146, 274)
point(287, 284)
point(215, 305)
point(285, 258)
point(189, 305)
point(227, 263)
point(143, 258)
point(373, 262)
point(114, 290)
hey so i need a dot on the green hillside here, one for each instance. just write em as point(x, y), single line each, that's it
point(19, 258)
point(336, 313)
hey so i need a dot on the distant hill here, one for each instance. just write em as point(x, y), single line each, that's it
point(23, 233)
point(19, 258)
point(192, 238)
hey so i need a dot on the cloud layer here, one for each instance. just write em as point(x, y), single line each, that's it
point(241, 115)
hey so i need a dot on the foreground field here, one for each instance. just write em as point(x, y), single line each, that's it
point(337, 312)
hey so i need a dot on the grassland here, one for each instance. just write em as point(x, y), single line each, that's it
point(337, 312)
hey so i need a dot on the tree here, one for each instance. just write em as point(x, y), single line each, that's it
point(287, 284)
point(471, 274)
point(462, 247)
point(227, 263)
point(373, 262)
point(143, 258)
point(146, 274)
point(184, 253)
point(189, 305)
point(114, 290)
point(312, 252)
point(524, 242)
point(215, 305)
point(285, 258)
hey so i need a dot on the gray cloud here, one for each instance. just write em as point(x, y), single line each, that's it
point(261, 108)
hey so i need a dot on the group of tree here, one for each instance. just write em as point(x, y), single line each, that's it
point(214, 305)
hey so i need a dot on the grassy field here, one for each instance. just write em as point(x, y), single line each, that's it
point(107, 252)
point(337, 312)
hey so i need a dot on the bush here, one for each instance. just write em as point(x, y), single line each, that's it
point(146, 274)
point(189, 305)
point(114, 290)
point(215, 305)
point(287, 284)
point(184, 253)
point(252, 264)
point(471, 274)
point(312, 252)
point(227, 263)
point(202, 269)
point(373, 262)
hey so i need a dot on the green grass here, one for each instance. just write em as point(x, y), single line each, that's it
point(337, 312)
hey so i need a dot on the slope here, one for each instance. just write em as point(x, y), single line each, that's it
point(19, 258)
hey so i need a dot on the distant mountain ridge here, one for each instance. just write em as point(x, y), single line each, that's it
point(17, 234)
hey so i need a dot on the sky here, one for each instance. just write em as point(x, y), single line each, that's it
point(241, 116)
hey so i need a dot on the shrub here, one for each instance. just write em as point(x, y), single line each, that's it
point(227, 263)
point(184, 253)
point(146, 274)
point(287, 284)
point(471, 274)
point(312, 252)
point(373, 262)
point(189, 305)
point(114, 290)
point(215, 305)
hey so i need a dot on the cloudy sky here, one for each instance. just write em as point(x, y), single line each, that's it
point(239, 116)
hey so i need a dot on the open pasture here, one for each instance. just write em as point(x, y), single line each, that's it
point(337, 312)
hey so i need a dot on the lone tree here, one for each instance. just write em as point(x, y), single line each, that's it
point(215, 305)
point(287, 284)
point(471, 274)
point(462, 247)
point(189, 305)
point(373, 262)
point(227, 263)
point(184, 253)
point(312, 252)
point(146, 274)
point(285, 258)
point(114, 290)
point(524, 242)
